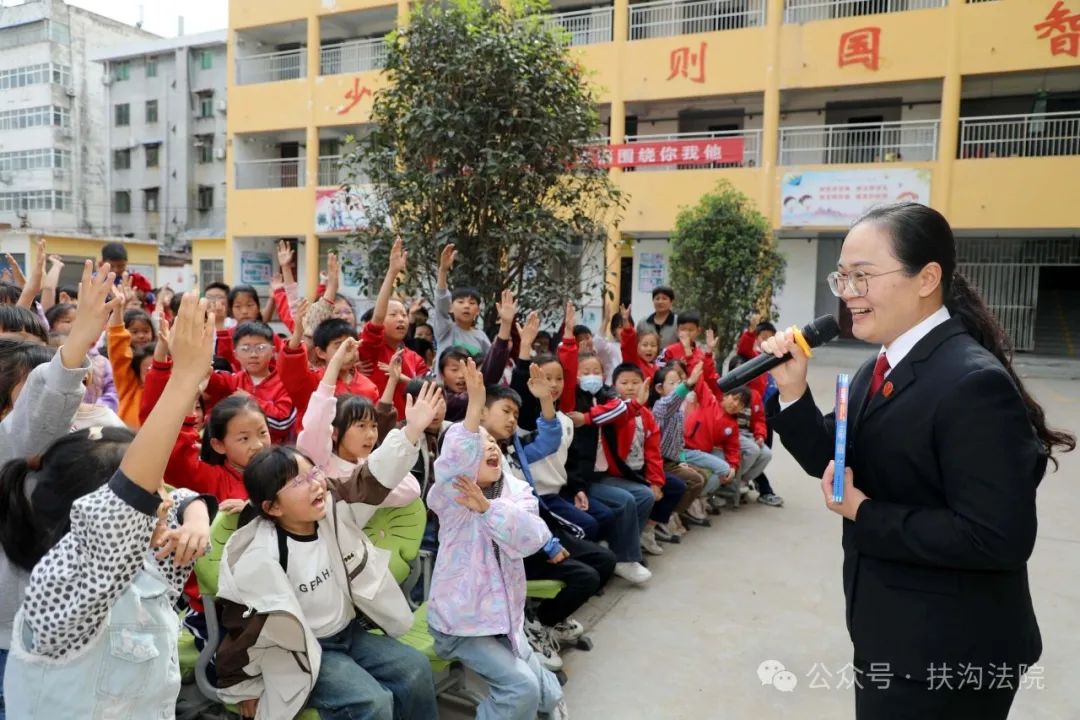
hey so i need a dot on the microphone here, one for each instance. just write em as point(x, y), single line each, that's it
point(819, 332)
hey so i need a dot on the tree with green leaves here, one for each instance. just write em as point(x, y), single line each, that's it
point(724, 262)
point(478, 140)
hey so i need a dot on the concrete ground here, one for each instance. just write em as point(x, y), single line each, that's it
point(764, 584)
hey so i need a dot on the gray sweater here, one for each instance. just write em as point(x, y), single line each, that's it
point(448, 333)
point(44, 412)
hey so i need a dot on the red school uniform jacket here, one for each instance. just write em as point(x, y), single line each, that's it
point(301, 380)
point(677, 352)
point(374, 350)
point(745, 349)
point(625, 425)
point(628, 339)
point(708, 427)
point(271, 394)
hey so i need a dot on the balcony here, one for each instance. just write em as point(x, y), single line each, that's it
point(272, 67)
point(263, 174)
point(666, 18)
point(353, 56)
point(801, 11)
point(751, 149)
point(1029, 135)
point(331, 174)
point(909, 141)
point(584, 27)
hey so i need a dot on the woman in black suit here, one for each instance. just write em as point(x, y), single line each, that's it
point(945, 451)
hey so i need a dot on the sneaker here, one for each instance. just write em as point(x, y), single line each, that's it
point(568, 631)
point(715, 502)
point(560, 712)
point(648, 541)
point(674, 526)
point(662, 534)
point(633, 572)
point(543, 644)
point(771, 499)
point(697, 511)
point(687, 521)
point(744, 489)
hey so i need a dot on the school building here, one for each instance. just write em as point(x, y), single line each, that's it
point(815, 109)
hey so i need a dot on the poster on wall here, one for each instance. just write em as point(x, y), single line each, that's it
point(339, 211)
point(652, 271)
point(837, 198)
point(256, 268)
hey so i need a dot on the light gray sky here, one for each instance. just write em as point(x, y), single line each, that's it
point(159, 16)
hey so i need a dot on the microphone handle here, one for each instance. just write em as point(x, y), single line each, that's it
point(750, 370)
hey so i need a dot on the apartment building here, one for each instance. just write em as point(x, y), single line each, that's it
point(815, 109)
point(165, 106)
point(52, 138)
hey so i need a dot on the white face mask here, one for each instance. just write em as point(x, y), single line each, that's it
point(591, 383)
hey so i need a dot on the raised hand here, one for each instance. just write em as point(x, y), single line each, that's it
point(507, 310)
point(161, 349)
point(447, 258)
point(687, 341)
point(333, 275)
point(624, 311)
point(695, 374)
point(90, 316)
point(398, 258)
point(711, 341)
point(299, 315)
point(570, 321)
point(422, 411)
point(538, 383)
point(346, 353)
point(13, 272)
point(528, 333)
point(285, 253)
point(191, 339)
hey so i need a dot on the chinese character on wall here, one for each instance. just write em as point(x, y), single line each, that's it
point(860, 47)
point(1063, 28)
point(684, 62)
point(354, 96)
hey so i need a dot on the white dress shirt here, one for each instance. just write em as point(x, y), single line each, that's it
point(902, 345)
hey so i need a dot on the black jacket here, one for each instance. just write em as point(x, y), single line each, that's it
point(935, 564)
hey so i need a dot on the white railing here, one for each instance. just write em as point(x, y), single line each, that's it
point(585, 27)
point(751, 148)
point(665, 18)
point(330, 171)
point(353, 56)
point(1030, 135)
point(800, 11)
point(271, 67)
point(259, 174)
point(914, 140)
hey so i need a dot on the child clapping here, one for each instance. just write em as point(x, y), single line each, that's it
point(488, 524)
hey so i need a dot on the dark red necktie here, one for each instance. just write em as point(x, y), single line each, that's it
point(878, 378)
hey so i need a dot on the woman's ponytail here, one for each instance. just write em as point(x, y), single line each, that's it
point(921, 235)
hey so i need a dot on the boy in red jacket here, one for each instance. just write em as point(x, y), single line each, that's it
point(631, 443)
point(301, 380)
point(745, 406)
point(712, 443)
point(253, 346)
point(689, 352)
point(385, 332)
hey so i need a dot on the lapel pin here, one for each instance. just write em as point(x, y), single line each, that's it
point(887, 390)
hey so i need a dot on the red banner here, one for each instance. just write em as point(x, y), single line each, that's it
point(705, 151)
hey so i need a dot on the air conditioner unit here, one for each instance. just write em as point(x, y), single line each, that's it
point(219, 153)
point(69, 91)
point(221, 106)
point(106, 79)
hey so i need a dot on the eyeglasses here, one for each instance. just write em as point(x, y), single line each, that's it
point(253, 349)
point(856, 282)
point(314, 475)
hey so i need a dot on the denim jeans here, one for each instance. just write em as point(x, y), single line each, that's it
point(626, 527)
point(643, 497)
point(717, 466)
point(518, 688)
point(372, 676)
point(3, 664)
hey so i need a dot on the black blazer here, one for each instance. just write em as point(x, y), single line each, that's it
point(935, 564)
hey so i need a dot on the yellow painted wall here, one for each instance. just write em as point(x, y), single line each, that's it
point(330, 105)
point(206, 249)
point(656, 197)
point(1016, 193)
point(253, 13)
point(266, 107)
point(1001, 37)
point(273, 212)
